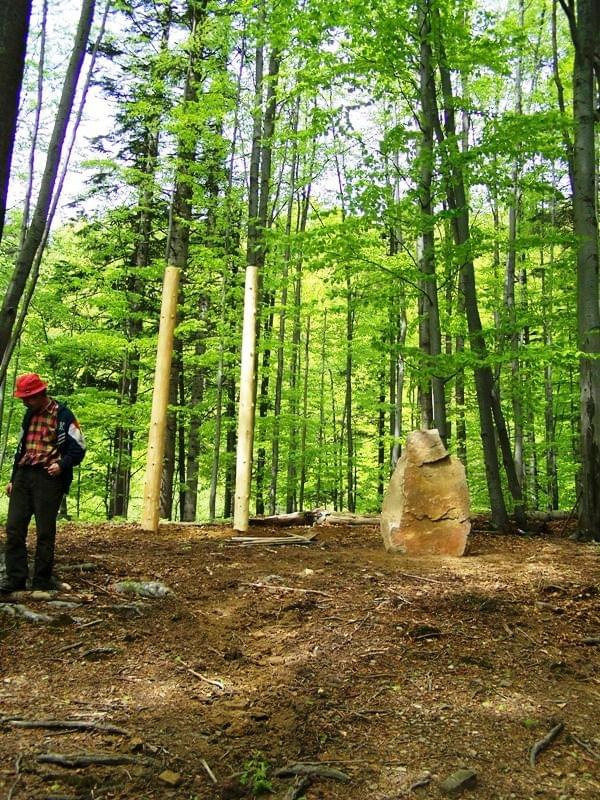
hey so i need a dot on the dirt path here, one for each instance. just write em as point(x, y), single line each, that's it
point(394, 672)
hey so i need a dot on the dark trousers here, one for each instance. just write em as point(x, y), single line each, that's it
point(34, 493)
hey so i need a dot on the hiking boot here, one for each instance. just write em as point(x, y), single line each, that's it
point(8, 587)
point(48, 585)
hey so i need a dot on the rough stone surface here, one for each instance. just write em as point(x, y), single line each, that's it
point(460, 780)
point(171, 778)
point(142, 588)
point(426, 506)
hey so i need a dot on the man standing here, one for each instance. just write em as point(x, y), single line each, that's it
point(51, 444)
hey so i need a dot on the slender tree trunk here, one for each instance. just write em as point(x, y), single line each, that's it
point(336, 445)
point(177, 256)
point(214, 471)
point(584, 21)
point(382, 472)
point(514, 336)
point(194, 445)
point(560, 92)
point(181, 447)
point(426, 240)
point(260, 177)
point(269, 302)
point(125, 434)
point(39, 100)
point(304, 423)
point(14, 27)
point(398, 326)
point(292, 460)
point(459, 389)
point(35, 234)
point(198, 378)
point(263, 401)
point(321, 458)
point(549, 415)
point(170, 450)
point(279, 375)
point(245, 436)
point(484, 386)
point(350, 314)
point(433, 400)
point(230, 316)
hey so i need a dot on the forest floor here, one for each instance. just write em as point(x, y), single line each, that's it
point(382, 675)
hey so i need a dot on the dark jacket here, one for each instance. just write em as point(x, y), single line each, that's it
point(69, 440)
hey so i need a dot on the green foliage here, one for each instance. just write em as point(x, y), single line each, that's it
point(255, 775)
point(344, 290)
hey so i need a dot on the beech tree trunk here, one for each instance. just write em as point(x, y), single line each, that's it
point(178, 242)
point(510, 281)
point(279, 373)
point(431, 389)
point(125, 434)
point(584, 22)
point(264, 223)
point(14, 27)
point(35, 234)
point(260, 176)
point(457, 202)
point(304, 423)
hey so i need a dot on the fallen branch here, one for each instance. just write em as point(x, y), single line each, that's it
point(424, 780)
point(585, 747)
point(69, 724)
point(209, 771)
point(545, 742)
point(69, 647)
point(297, 789)
point(525, 635)
point(219, 684)
point(17, 777)
point(312, 770)
point(91, 623)
point(591, 640)
point(418, 577)
point(77, 760)
point(288, 589)
point(249, 541)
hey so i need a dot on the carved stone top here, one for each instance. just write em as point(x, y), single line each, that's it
point(426, 506)
point(425, 447)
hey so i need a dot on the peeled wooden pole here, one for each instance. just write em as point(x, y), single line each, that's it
point(160, 400)
point(243, 468)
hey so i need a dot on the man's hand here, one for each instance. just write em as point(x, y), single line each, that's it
point(53, 469)
point(9, 489)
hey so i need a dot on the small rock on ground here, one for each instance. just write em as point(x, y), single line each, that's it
point(460, 780)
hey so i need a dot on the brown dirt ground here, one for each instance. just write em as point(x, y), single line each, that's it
point(394, 670)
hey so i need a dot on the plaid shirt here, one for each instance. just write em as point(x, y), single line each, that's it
point(41, 446)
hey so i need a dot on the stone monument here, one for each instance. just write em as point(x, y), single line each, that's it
point(426, 505)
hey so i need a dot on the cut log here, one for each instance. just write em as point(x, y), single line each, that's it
point(283, 520)
point(548, 516)
point(249, 541)
point(333, 518)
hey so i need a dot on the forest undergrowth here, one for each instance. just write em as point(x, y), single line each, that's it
point(326, 671)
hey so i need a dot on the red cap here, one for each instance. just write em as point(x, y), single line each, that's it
point(29, 385)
